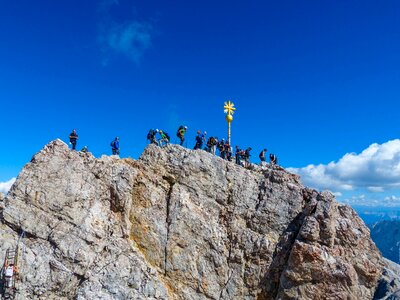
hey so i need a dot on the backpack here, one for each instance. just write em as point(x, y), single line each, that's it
point(198, 139)
point(166, 135)
point(112, 144)
point(262, 155)
point(150, 134)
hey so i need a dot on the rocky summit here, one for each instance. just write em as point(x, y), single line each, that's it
point(182, 224)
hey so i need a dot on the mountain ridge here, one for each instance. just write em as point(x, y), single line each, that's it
point(183, 224)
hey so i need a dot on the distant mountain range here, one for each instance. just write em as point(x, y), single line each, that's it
point(386, 235)
point(373, 214)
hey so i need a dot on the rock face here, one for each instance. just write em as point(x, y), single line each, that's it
point(389, 284)
point(181, 224)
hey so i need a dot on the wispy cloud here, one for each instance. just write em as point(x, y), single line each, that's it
point(376, 169)
point(130, 40)
point(129, 37)
point(372, 200)
point(5, 186)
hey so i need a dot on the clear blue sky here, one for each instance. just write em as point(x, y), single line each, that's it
point(312, 80)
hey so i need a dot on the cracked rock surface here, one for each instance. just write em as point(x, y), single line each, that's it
point(182, 224)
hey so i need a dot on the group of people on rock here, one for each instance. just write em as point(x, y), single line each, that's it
point(73, 138)
point(212, 144)
point(164, 138)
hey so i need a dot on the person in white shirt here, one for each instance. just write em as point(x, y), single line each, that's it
point(9, 275)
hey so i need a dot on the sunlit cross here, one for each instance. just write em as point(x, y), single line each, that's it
point(229, 108)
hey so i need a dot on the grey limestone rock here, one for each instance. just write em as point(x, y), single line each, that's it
point(180, 224)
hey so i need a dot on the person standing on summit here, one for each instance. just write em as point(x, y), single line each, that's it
point(181, 134)
point(273, 160)
point(73, 137)
point(115, 146)
point(262, 155)
point(200, 138)
point(238, 155)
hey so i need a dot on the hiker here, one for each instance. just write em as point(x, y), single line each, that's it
point(211, 145)
point(164, 138)
point(214, 146)
point(247, 157)
point(9, 275)
point(221, 148)
point(228, 151)
point(115, 146)
point(200, 138)
point(73, 137)
point(151, 136)
point(273, 160)
point(181, 134)
point(85, 149)
point(262, 155)
point(238, 155)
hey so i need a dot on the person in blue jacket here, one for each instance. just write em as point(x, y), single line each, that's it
point(115, 146)
point(200, 138)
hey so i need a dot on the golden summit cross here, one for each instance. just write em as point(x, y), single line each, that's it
point(229, 108)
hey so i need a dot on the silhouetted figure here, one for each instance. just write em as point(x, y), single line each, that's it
point(247, 157)
point(262, 155)
point(273, 160)
point(181, 134)
point(221, 148)
point(151, 136)
point(228, 151)
point(212, 144)
point(85, 149)
point(164, 140)
point(238, 155)
point(200, 139)
point(73, 137)
point(115, 146)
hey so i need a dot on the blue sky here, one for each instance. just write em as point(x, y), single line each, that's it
point(312, 80)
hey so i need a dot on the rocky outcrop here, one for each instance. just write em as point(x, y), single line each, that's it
point(180, 224)
point(389, 285)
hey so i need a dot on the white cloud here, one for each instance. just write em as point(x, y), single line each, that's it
point(5, 186)
point(375, 169)
point(371, 200)
point(392, 198)
point(338, 194)
point(376, 189)
point(129, 37)
point(130, 40)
